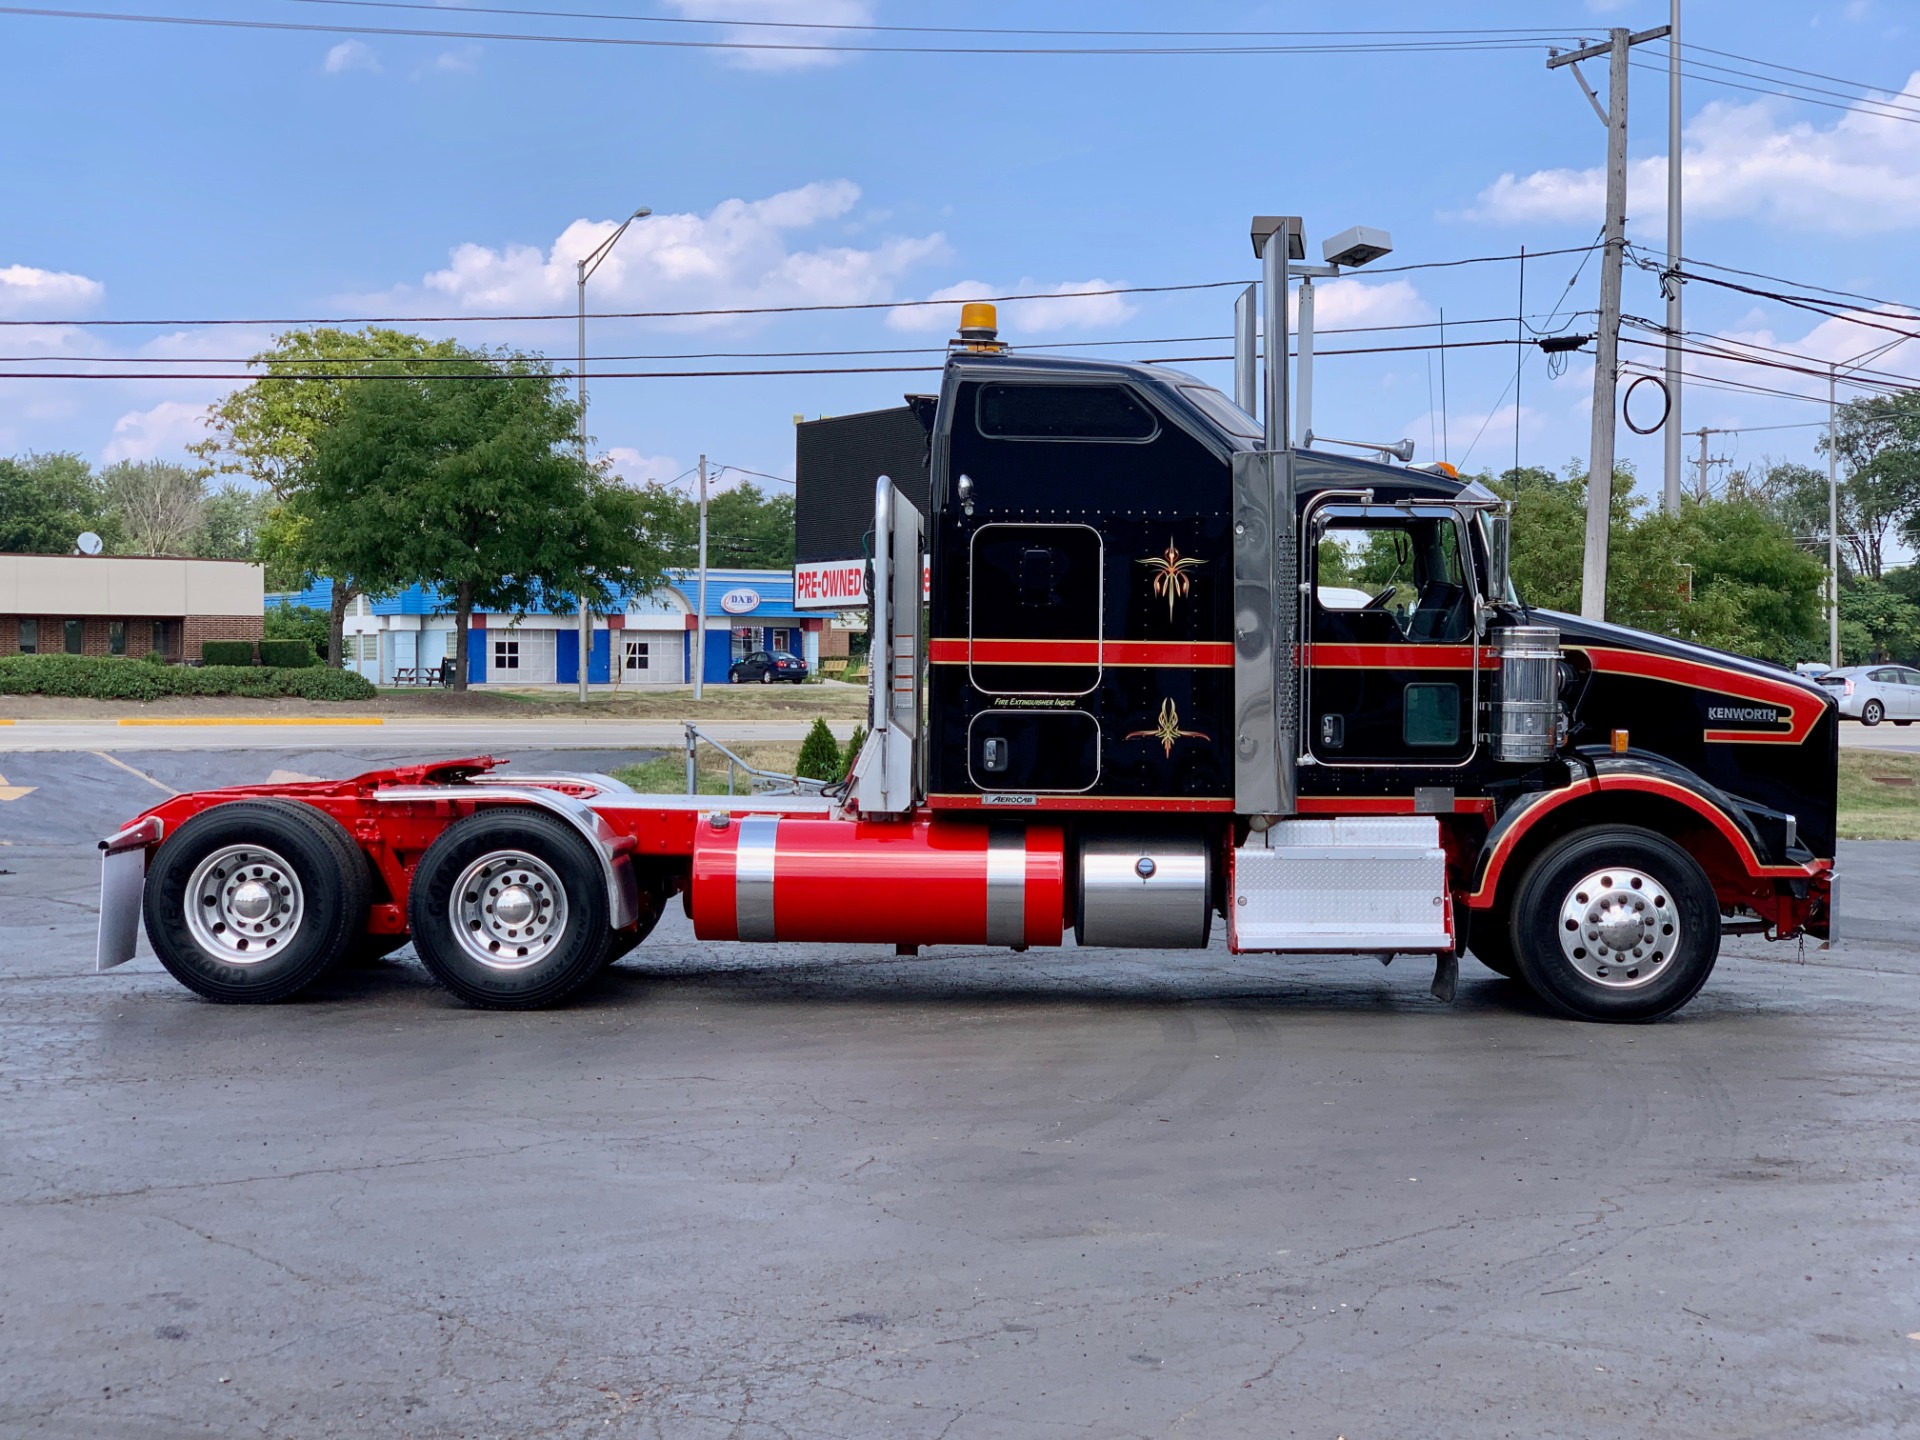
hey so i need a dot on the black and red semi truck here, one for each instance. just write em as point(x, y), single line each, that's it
point(1167, 674)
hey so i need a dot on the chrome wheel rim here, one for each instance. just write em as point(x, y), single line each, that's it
point(1619, 928)
point(508, 910)
point(244, 904)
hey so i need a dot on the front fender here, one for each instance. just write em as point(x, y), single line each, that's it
point(1595, 776)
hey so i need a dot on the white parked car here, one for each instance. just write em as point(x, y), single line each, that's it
point(1872, 693)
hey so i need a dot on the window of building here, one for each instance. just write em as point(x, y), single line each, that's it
point(76, 637)
point(166, 638)
point(506, 654)
point(745, 642)
point(116, 637)
point(782, 640)
point(637, 655)
point(29, 637)
point(370, 647)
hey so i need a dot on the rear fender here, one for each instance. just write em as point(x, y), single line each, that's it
point(616, 869)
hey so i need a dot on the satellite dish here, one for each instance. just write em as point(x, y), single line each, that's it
point(90, 543)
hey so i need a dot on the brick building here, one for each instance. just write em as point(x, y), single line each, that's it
point(126, 604)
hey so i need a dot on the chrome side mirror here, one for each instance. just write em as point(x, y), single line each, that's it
point(1499, 547)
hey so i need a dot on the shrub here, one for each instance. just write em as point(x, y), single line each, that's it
point(92, 677)
point(226, 652)
point(819, 754)
point(854, 742)
point(299, 622)
point(294, 654)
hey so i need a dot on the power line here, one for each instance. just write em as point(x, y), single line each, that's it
point(390, 374)
point(433, 360)
point(1854, 108)
point(345, 321)
point(1791, 70)
point(870, 28)
point(645, 42)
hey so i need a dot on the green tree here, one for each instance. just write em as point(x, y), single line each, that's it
point(46, 501)
point(159, 506)
point(466, 479)
point(1726, 573)
point(268, 431)
point(819, 754)
point(1877, 622)
point(297, 622)
point(750, 529)
point(231, 520)
point(1877, 439)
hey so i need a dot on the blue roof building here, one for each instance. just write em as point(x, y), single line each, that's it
point(406, 637)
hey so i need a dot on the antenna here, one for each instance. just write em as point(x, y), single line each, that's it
point(89, 543)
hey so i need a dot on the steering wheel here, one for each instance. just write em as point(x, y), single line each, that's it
point(1379, 602)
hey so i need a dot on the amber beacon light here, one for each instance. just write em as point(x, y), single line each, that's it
point(980, 326)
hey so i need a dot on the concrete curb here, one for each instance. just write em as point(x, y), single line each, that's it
point(243, 720)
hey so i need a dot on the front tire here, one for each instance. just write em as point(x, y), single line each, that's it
point(1872, 713)
point(1616, 924)
point(509, 910)
point(249, 902)
point(766, 677)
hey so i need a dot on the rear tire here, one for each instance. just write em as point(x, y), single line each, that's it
point(1615, 924)
point(509, 910)
point(249, 902)
point(1872, 713)
point(766, 677)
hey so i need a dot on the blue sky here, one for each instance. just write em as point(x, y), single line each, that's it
point(192, 173)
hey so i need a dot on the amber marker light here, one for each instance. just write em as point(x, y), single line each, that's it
point(1619, 742)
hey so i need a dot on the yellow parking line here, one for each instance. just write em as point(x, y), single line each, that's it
point(244, 720)
point(6, 722)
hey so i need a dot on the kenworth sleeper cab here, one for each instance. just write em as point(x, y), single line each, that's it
point(1170, 676)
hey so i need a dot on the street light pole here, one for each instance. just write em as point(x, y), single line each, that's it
point(700, 607)
point(584, 269)
point(1835, 368)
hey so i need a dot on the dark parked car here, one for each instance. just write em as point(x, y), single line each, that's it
point(767, 666)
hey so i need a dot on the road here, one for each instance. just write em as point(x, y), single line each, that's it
point(826, 1191)
point(1880, 737)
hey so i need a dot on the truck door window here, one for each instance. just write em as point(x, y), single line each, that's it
point(1390, 627)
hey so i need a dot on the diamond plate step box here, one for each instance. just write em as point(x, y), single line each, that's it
point(1354, 883)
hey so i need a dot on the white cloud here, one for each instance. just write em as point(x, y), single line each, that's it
point(738, 254)
point(1069, 305)
point(463, 60)
point(1858, 176)
point(1350, 303)
point(167, 429)
point(637, 469)
point(789, 12)
point(26, 291)
point(351, 55)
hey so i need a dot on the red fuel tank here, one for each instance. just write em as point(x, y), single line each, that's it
point(928, 882)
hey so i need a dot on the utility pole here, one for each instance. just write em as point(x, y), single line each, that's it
point(700, 603)
point(1701, 489)
point(1671, 280)
point(1606, 370)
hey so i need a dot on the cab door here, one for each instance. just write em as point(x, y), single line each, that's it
point(1390, 655)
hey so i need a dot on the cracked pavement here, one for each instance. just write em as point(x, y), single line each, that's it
point(804, 1191)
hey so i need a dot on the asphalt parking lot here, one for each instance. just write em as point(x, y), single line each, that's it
point(818, 1191)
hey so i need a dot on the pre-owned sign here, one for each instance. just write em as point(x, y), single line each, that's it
point(836, 584)
point(830, 585)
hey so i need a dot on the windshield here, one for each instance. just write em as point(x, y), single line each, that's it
point(1223, 412)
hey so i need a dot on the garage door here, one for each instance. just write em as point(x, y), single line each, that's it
point(654, 657)
point(519, 657)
